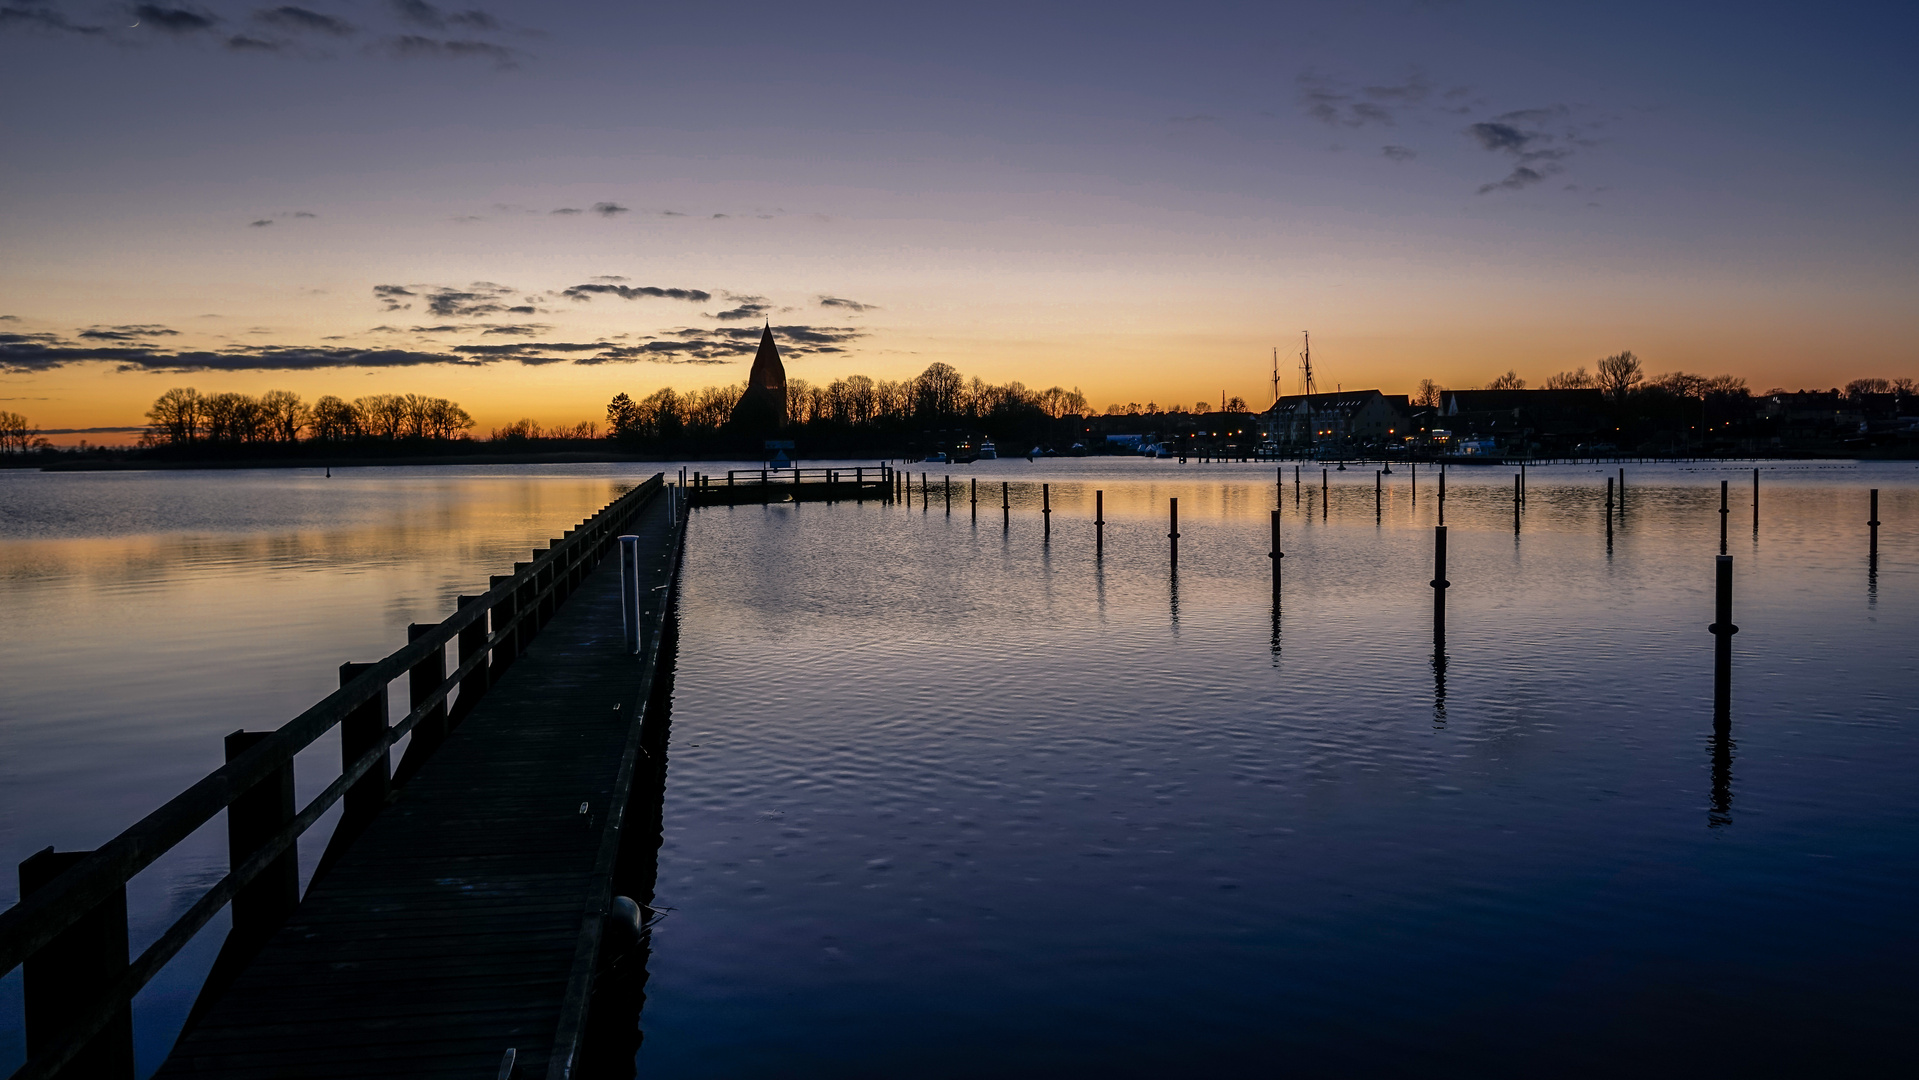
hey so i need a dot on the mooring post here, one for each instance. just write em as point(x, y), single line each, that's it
point(1442, 496)
point(1872, 523)
point(1439, 582)
point(1276, 555)
point(1005, 504)
point(1608, 511)
point(1722, 629)
point(502, 614)
point(926, 493)
point(1046, 507)
point(1522, 481)
point(1173, 534)
point(1099, 523)
point(64, 979)
point(1413, 481)
point(1379, 495)
point(1519, 489)
point(976, 498)
point(949, 495)
point(1295, 487)
point(1279, 490)
point(1722, 515)
point(1755, 502)
point(630, 593)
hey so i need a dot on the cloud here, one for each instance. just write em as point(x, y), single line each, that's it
point(389, 295)
point(243, 43)
point(479, 298)
point(607, 209)
point(748, 307)
point(408, 46)
point(629, 292)
point(40, 18)
point(842, 302)
point(299, 19)
point(517, 329)
point(135, 332)
point(1334, 104)
point(420, 13)
point(261, 223)
point(567, 210)
point(611, 277)
point(1520, 134)
point(24, 353)
point(1398, 153)
point(174, 20)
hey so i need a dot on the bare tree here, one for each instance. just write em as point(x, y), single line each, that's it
point(1862, 387)
point(334, 420)
point(1618, 374)
point(283, 415)
point(1508, 381)
point(1235, 404)
point(383, 415)
point(1203, 407)
point(1576, 379)
point(1902, 386)
point(16, 433)
point(1426, 396)
point(178, 416)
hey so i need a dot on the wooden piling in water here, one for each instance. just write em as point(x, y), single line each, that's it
point(1295, 487)
point(1519, 494)
point(976, 499)
point(1173, 535)
point(1276, 555)
point(1005, 505)
point(1872, 523)
point(1379, 496)
point(1755, 502)
point(1439, 583)
point(1722, 629)
point(1099, 523)
point(1724, 511)
point(1609, 512)
point(1046, 508)
point(1442, 496)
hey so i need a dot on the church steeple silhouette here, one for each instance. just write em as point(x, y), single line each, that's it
point(762, 407)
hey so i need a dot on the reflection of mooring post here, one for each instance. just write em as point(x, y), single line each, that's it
point(1005, 505)
point(1276, 555)
point(1872, 522)
point(1099, 523)
point(1723, 630)
point(630, 591)
point(1609, 511)
point(1174, 536)
point(1046, 508)
point(1723, 511)
point(1439, 583)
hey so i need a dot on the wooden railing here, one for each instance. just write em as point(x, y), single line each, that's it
point(69, 929)
point(763, 485)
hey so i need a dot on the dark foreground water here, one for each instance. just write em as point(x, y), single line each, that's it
point(948, 799)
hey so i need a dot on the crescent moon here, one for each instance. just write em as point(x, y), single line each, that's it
point(136, 22)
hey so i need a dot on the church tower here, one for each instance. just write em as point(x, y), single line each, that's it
point(762, 408)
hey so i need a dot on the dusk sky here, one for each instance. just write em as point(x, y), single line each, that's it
point(530, 207)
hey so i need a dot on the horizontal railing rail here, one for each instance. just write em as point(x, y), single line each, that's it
point(492, 629)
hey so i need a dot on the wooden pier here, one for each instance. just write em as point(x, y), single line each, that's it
point(739, 486)
point(459, 912)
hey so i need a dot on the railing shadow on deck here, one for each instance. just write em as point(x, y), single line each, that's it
point(69, 930)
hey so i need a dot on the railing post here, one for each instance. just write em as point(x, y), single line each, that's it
point(472, 644)
point(422, 680)
point(630, 592)
point(63, 981)
point(360, 731)
point(261, 905)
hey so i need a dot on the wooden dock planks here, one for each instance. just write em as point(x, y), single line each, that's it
point(452, 929)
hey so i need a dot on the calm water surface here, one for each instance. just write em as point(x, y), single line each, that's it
point(954, 799)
